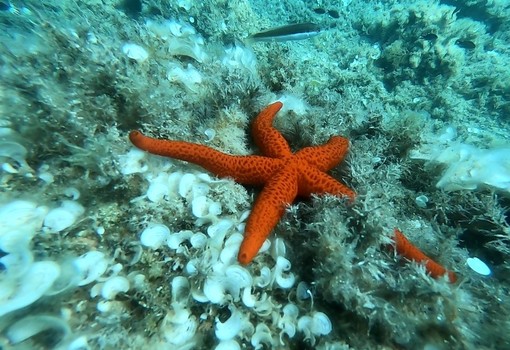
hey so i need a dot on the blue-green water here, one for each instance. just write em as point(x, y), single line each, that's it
point(104, 246)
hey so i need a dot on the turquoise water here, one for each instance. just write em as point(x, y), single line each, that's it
point(105, 246)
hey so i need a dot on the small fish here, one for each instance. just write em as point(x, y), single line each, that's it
point(465, 44)
point(298, 31)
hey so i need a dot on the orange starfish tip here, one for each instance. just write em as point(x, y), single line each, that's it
point(405, 248)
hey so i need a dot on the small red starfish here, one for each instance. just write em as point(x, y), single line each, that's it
point(283, 174)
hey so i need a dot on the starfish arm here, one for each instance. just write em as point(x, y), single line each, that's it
point(250, 170)
point(269, 207)
point(405, 248)
point(314, 181)
point(326, 157)
point(269, 140)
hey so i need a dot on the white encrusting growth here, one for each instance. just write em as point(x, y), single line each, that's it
point(154, 235)
point(135, 52)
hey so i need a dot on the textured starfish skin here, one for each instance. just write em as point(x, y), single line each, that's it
point(284, 174)
point(405, 248)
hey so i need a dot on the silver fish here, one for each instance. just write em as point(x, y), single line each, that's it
point(297, 31)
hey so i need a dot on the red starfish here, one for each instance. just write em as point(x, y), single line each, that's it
point(283, 174)
point(411, 252)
